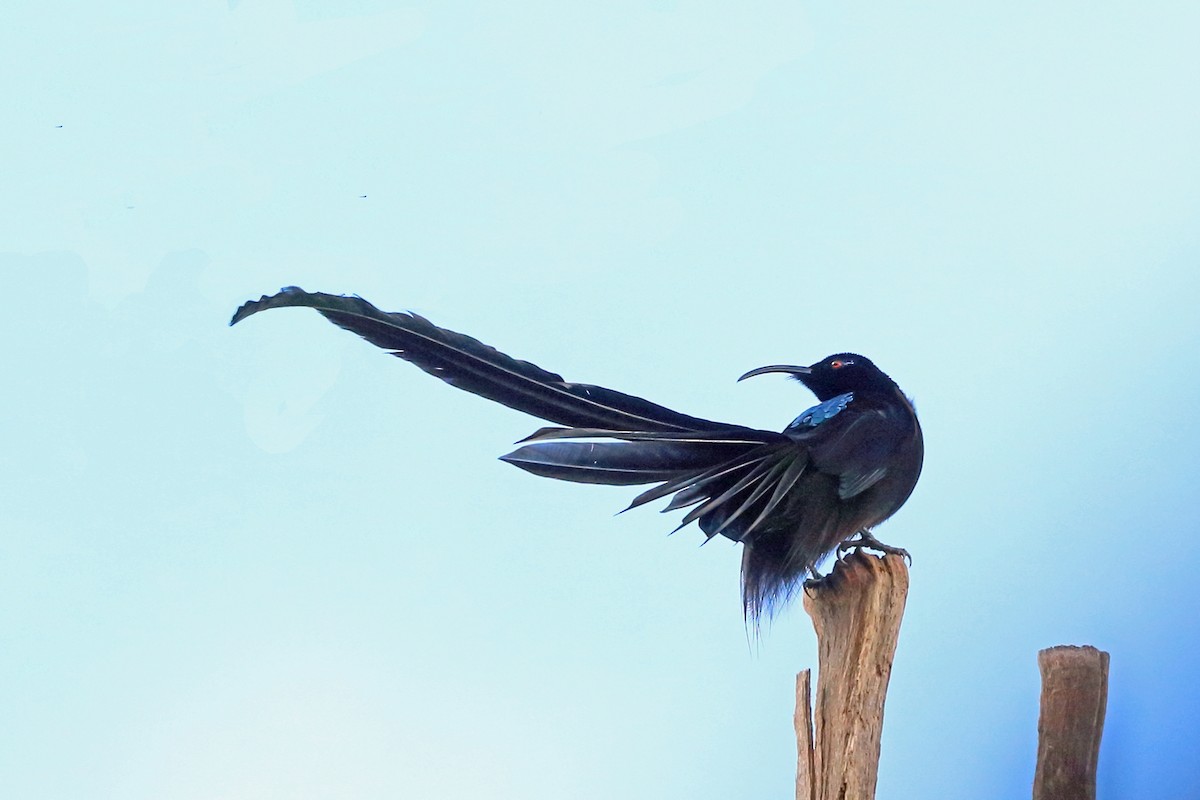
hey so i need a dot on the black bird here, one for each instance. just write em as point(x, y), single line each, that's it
point(836, 471)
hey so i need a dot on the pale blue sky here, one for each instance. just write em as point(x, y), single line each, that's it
point(270, 561)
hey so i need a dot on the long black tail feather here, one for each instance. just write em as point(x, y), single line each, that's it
point(616, 463)
point(468, 364)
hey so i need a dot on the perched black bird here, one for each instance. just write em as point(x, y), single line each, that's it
point(791, 498)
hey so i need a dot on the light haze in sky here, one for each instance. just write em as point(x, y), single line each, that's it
point(271, 561)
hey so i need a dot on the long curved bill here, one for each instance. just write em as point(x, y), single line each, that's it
point(791, 370)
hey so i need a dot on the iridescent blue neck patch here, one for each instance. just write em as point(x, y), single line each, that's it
point(821, 412)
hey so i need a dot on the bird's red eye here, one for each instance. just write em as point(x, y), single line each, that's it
point(837, 363)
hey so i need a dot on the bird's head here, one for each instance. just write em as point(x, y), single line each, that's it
point(834, 375)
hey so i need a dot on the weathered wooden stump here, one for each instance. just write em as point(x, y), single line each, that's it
point(1074, 698)
point(856, 612)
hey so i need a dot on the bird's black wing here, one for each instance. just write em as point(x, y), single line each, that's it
point(468, 364)
point(855, 446)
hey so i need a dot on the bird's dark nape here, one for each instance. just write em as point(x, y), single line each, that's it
point(789, 497)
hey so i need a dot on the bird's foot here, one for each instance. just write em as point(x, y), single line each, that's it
point(815, 579)
point(864, 540)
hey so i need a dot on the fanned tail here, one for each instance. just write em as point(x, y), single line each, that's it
point(635, 456)
point(740, 484)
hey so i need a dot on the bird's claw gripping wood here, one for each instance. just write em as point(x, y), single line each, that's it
point(864, 540)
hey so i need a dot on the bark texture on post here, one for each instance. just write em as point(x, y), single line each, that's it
point(803, 722)
point(1074, 698)
point(856, 611)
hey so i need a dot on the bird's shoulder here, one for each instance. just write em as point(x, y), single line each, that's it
point(851, 410)
point(820, 413)
point(854, 436)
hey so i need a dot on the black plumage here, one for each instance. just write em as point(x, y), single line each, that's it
point(791, 498)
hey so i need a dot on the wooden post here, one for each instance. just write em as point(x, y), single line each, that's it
point(856, 612)
point(1074, 697)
